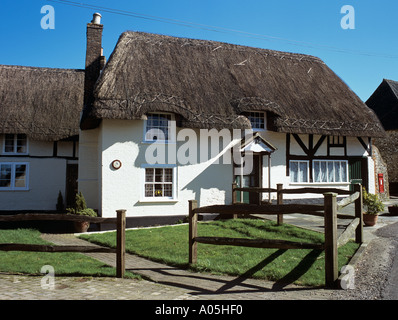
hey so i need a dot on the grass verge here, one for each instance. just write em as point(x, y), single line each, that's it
point(169, 245)
point(64, 263)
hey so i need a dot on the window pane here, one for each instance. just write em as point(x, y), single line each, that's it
point(330, 172)
point(158, 190)
point(344, 174)
point(155, 121)
point(317, 171)
point(303, 172)
point(5, 175)
point(294, 171)
point(168, 175)
point(20, 176)
point(324, 172)
point(149, 175)
point(246, 181)
point(337, 171)
point(149, 190)
point(21, 143)
point(163, 134)
point(9, 143)
point(158, 175)
point(168, 190)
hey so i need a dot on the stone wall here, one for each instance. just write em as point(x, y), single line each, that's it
point(380, 168)
point(389, 151)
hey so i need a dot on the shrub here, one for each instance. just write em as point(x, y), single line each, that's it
point(80, 207)
point(60, 202)
point(372, 203)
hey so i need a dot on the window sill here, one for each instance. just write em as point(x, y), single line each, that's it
point(158, 142)
point(157, 200)
point(14, 190)
point(320, 184)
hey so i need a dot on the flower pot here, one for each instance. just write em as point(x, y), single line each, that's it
point(370, 219)
point(393, 210)
point(81, 226)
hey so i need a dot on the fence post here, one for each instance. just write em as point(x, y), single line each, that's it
point(359, 214)
point(234, 198)
point(331, 265)
point(279, 200)
point(234, 195)
point(193, 231)
point(120, 243)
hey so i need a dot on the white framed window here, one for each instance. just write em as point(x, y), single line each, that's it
point(257, 120)
point(330, 171)
point(159, 127)
point(14, 176)
point(299, 171)
point(15, 144)
point(159, 183)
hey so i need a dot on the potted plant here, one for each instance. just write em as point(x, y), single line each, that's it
point(393, 209)
point(81, 209)
point(373, 206)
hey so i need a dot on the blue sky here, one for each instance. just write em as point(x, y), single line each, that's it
point(362, 57)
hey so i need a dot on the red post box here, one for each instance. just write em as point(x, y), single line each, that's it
point(381, 182)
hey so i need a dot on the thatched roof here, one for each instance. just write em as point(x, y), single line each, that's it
point(43, 103)
point(384, 102)
point(211, 84)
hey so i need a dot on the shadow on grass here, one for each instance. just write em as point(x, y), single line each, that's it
point(304, 265)
point(249, 273)
point(213, 285)
point(247, 226)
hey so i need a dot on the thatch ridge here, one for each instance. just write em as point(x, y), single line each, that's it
point(210, 84)
point(44, 103)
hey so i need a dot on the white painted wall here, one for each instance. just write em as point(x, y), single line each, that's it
point(108, 189)
point(123, 189)
point(46, 177)
point(278, 161)
point(372, 175)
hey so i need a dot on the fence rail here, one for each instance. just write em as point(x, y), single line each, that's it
point(54, 217)
point(120, 221)
point(329, 211)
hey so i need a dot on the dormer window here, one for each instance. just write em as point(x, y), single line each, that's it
point(15, 144)
point(257, 120)
point(159, 127)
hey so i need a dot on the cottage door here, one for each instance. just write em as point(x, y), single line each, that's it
point(358, 171)
point(250, 180)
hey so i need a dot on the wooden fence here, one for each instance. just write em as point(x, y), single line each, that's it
point(120, 221)
point(329, 210)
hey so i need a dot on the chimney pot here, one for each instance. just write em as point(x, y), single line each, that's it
point(96, 18)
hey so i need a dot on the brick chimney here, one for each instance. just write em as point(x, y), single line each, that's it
point(95, 61)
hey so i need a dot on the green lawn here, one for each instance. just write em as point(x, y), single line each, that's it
point(170, 245)
point(64, 264)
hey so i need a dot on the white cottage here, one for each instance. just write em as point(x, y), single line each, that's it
point(167, 118)
point(39, 127)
